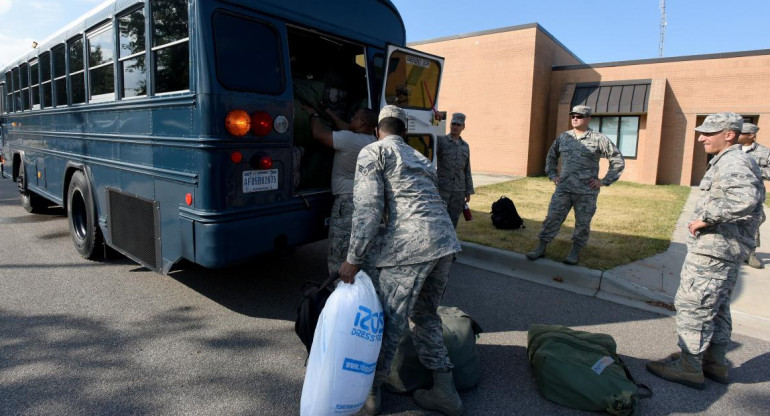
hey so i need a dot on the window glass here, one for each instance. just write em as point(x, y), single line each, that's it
point(76, 55)
point(78, 88)
point(45, 67)
point(102, 80)
point(24, 83)
point(47, 97)
point(100, 48)
point(595, 124)
point(170, 41)
point(58, 62)
point(169, 19)
point(412, 81)
point(422, 143)
point(8, 93)
point(134, 77)
point(258, 67)
point(34, 75)
point(610, 128)
point(131, 33)
point(61, 91)
point(629, 135)
point(172, 68)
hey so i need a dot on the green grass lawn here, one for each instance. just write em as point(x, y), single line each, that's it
point(632, 221)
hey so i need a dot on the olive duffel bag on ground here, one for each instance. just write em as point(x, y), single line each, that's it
point(460, 332)
point(581, 370)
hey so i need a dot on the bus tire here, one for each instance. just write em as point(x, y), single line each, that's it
point(30, 201)
point(81, 216)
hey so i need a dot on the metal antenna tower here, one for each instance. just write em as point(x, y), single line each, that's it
point(662, 27)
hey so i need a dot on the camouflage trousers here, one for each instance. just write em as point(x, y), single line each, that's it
point(561, 203)
point(413, 292)
point(703, 302)
point(340, 226)
point(455, 203)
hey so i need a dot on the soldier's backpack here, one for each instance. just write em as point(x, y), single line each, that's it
point(460, 331)
point(505, 216)
point(314, 296)
point(581, 370)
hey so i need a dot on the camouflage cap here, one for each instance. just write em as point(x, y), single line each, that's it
point(581, 109)
point(393, 111)
point(721, 121)
point(458, 118)
point(749, 128)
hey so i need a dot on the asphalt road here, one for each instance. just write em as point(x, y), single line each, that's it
point(88, 338)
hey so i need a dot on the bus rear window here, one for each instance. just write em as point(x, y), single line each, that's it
point(412, 81)
point(248, 55)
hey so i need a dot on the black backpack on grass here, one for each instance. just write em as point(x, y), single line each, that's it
point(314, 297)
point(505, 216)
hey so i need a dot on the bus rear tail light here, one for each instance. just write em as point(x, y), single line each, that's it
point(236, 157)
point(261, 123)
point(238, 123)
point(265, 162)
point(188, 199)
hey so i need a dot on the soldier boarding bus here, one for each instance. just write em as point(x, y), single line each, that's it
point(174, 129)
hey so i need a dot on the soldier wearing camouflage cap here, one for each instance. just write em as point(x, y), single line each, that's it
point(578, 183)
point(453, 160)
point(721, 236)
point(761, 155)
point(396, 183)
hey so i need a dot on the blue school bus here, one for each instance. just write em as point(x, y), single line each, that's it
point(172, 129)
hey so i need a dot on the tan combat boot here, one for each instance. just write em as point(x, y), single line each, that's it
point(754, 262)
point(538, 252)
point(715, 363)
point(442, 397)
point(572, 257)
point(683, 368)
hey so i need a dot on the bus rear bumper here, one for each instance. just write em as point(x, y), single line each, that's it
point(219, 244)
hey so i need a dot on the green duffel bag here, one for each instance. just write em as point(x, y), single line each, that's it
point(581, 370)
point(407, 373)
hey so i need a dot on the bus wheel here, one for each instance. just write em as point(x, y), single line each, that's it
point(30, 201)
point(81, 215)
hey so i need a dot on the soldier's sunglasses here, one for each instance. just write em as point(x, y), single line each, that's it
point(577, 116)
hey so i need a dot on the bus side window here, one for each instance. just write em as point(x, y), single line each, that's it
point(60, 76)
point(77, 70)
point(170, 41)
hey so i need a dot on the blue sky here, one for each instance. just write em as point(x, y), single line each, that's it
point(595, 30)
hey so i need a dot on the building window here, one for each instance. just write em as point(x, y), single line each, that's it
point(622, 130)
point(101, 72)
point(170, 46)
point(132, 57)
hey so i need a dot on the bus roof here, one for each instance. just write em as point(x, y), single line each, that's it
point(368, 21)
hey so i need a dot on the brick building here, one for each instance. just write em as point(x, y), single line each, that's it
point(517, 85)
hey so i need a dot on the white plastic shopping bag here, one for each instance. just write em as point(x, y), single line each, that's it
point(343, 357)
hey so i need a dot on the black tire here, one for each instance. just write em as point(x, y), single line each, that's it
point(81, 216)
point(30, 201)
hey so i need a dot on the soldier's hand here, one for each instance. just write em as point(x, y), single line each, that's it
point(556, 180)
point(594, 184)
point(467, 198)
point(348, 272)
point(695, 226)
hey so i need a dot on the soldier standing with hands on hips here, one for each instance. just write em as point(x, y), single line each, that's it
point(722, 230)
point(453, 159)
point(395, 182)
point(578, 183)
point(761, 155)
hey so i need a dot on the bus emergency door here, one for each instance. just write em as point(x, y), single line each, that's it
point(412, 81)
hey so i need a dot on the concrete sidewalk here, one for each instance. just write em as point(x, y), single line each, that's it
point(648, 284)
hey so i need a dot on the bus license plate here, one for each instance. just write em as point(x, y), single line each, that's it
point(260, 180)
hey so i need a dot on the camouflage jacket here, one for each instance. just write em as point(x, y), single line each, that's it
point(761, 155)
point(730, 201)
point(453, 158)
point(580, 161)
point(397, 183)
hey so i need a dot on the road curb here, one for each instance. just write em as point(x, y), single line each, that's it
point(576, 279)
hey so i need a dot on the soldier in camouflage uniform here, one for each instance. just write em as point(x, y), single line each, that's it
point(453, 158)
point(347, 142)
point(395, 182)
point(721, 236)
point(761, 155)
point(577, 185)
